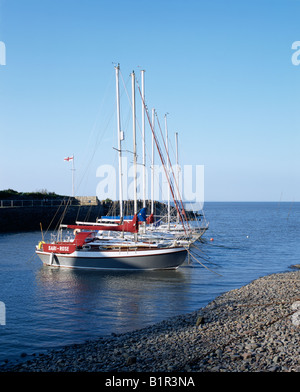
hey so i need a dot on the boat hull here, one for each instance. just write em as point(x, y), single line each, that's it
point(170, 258)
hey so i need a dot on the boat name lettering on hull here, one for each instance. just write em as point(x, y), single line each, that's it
point(59, 248)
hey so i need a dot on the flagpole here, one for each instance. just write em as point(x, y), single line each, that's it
point(73, 170)
point(73, 176)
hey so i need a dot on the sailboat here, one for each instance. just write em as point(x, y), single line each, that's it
point(88, 251)
point(180, 228)
point(185, 232)
point(85, 249)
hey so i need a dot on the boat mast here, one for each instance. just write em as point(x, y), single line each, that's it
point(177, 168)
point(164, 167)
point(134, 141)
point(144, 141)
point(73, 170)
point(120, 138)
point(152, 166)
point(168, 170)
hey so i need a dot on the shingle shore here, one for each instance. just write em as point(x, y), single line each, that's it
point(253, 328)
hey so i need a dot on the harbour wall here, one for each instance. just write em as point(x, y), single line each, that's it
point(29, 215)
point(16, 219)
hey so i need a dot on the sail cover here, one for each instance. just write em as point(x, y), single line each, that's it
point(142, 215)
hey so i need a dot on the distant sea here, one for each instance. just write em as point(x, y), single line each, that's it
point(48, 308)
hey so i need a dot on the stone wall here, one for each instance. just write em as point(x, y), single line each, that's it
point(29, 218)
point(87, 200)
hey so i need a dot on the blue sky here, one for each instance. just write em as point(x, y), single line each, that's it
point(221, 69)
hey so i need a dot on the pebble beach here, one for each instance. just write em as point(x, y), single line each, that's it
point(255, 328)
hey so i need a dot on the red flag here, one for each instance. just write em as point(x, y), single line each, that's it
point(68, 158)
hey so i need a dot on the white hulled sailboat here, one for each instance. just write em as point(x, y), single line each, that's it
point(87, 250)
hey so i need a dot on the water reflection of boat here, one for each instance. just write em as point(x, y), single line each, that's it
point(53, 278)
point(111, 301)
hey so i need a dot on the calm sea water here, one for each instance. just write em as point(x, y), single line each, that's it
point(48, 307)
